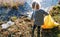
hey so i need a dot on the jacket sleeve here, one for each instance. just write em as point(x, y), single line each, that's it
point(44, 12)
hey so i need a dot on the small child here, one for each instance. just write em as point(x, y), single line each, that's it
point(38, 16)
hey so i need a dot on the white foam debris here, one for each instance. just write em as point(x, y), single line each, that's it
point(8, 24)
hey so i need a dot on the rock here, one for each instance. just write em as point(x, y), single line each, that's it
point(58, 35)
point(27, 20)
point(1, 23)
point(22, 27)
point(12, 3)
point(5, 33)
point(13, 30)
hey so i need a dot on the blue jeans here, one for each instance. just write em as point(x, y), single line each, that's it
point(38, 30)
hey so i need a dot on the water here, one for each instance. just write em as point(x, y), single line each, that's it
point(6, 13)
point(45, 4)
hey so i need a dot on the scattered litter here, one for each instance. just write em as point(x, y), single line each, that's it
point(8, 24)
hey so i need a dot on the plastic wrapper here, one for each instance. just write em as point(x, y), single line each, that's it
point(8, 24)
point(49, 23)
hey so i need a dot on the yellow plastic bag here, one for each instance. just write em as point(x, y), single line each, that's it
point(49, 23)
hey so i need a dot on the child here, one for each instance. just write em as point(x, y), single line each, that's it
point(38, 15)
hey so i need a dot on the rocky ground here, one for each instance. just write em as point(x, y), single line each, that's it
point(23, 28)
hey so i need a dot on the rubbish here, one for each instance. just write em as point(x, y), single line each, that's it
point(49, 23)
point(29, 14)
point(21, 28)
point(13, 18)
point(8, 24)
